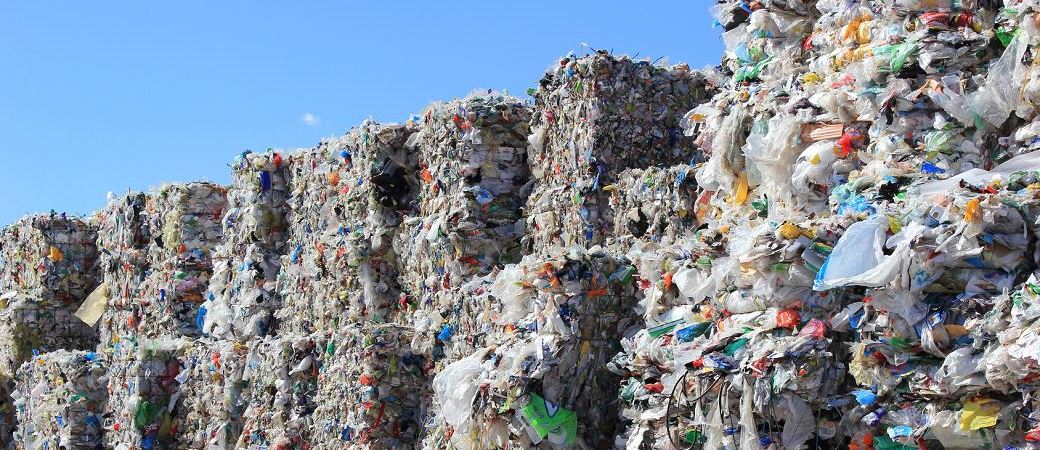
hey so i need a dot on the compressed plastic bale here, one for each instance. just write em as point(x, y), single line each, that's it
point(175, 394)
point(29, 326)
point(60, 397)
point(474, 179)
point(208, 413)
point(581, 303)
point(472, 172)
point(600, 114)
point(655, 205)
point(282, 376)
point(347, 199)
point(143, 386)
point(123, 240)
point(349, 196)
point(51, 257)
point(472, 157)
point(594, 117)
point(371, 388)
point(243, 293)
point(156, 278)
point(563, 215)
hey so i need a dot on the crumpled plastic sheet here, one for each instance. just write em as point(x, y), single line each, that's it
point(60, 399)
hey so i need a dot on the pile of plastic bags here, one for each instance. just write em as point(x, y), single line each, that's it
point(863, 262)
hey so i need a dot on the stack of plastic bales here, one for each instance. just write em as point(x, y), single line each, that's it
point(838, 249)
point(472, 168)
point(157, 250)
point(60, 397)
point(861, 277)
point(595, 117)
point(339, 289)
point(543, 374)
point(243, 294)
point(49, 267)
point(471, 172)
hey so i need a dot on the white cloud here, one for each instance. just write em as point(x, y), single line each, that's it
point(310, 119)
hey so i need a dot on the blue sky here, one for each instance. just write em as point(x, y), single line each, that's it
point(111, 96)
